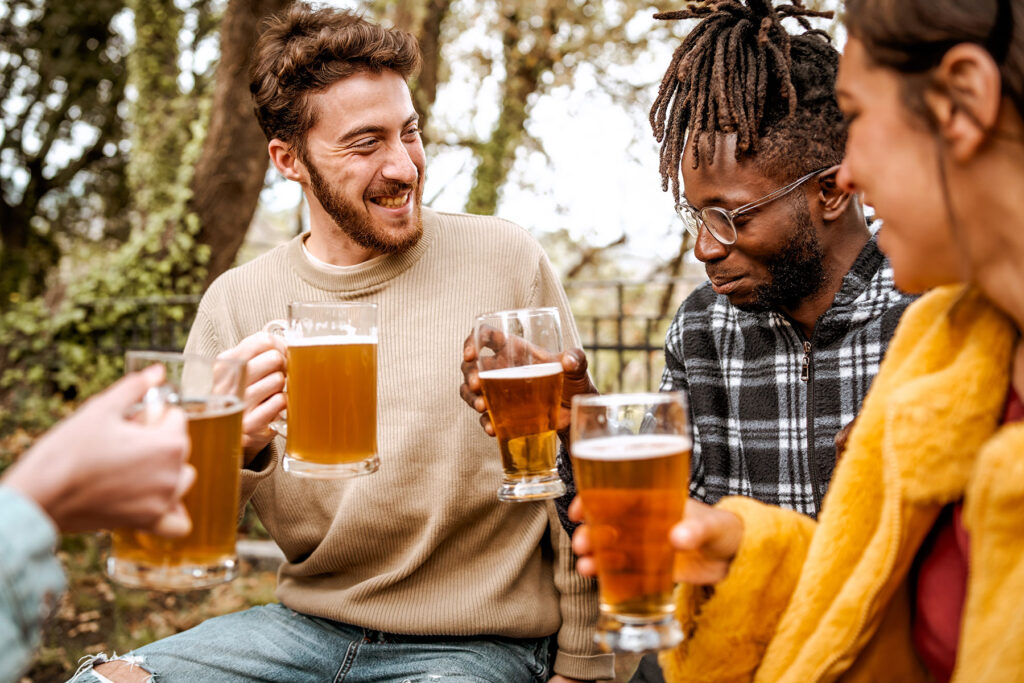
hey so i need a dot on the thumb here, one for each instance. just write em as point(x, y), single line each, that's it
point(576, 379)
point(574, 365)
point(130, 389)
point(175, 523)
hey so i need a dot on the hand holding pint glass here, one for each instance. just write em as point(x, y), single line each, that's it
point(210, 391)
point(521, 375)
point(631, 458)
point(331, 426)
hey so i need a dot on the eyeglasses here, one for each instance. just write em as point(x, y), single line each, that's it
point(719, 221)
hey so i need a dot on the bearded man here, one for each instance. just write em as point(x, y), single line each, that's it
point(777, 350)
point(416, 572)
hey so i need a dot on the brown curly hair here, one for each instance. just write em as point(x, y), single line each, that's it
point(304, 50)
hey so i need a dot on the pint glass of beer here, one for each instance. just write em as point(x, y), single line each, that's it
point(521, 373)
point(210, 391)
point(631, 458)
point(331, 427)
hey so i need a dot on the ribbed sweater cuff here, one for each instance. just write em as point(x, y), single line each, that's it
point(585, 667)
point(258, 469)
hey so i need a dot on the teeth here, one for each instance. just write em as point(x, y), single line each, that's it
point(392, 202)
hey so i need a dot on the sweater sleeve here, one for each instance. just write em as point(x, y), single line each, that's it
point(729, 626)
point(578, 656)
point(30, 579)
point(203, 340)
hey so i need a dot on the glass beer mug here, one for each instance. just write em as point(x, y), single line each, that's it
point(631, 459)
point(210, 391)
point(521, 374)
point(331, 423)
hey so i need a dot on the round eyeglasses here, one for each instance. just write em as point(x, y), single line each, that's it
point(719, 221)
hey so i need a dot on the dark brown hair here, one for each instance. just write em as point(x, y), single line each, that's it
point(740, 71)
point(912, 36)
point(304, 51)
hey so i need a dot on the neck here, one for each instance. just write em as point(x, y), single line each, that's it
point(839, 258)
point(329, 243)
point(994, 233)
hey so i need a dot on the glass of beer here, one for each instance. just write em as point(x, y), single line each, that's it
point(521, 373)
point(631, 458)
point(331, 424)
point(210, 391)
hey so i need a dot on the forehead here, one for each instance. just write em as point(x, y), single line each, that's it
point(362, 99)
point(721, 179)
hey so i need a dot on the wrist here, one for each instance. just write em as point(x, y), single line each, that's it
point(41, 487)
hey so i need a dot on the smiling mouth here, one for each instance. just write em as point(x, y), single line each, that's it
point(394, 202)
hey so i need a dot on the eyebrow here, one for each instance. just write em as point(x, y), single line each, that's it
point(717, 200)
point(374, 128)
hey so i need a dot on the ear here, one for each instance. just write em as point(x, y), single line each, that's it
point(965, 98)
point(287, 161)
point(834, 200)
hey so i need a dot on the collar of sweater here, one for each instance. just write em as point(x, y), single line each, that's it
point(858, 278)
point(359, 279)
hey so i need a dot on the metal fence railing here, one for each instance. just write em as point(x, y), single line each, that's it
point(622, 325)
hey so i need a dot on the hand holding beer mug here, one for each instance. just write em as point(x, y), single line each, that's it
point(210, 391)
point(631, 458)
point(521, 374)
point(331, 427)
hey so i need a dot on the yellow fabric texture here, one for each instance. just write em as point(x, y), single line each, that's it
point(926, 436)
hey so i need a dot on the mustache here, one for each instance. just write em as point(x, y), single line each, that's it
point(389, 188)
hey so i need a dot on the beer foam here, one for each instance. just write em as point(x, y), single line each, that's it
point(631, 447)
point(523, 371)
point(329, 339)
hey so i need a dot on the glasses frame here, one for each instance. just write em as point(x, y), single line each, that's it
point(694, 218)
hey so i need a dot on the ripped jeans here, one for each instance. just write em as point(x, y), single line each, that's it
point(274, 644)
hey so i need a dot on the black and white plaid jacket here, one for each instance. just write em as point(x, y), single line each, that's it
point(766, 402)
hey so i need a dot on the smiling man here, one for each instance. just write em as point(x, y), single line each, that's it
point(416, 572)
point(778, 349)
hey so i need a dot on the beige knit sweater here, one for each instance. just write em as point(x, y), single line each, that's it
point(422, 546)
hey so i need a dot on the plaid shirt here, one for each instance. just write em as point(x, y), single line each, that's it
point(765, 401)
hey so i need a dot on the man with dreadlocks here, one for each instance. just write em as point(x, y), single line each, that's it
point(779, 348)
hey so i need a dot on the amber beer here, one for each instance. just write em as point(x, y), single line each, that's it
point(523, 405)
point(332, 399)
point(144, 559)
point(633, 488)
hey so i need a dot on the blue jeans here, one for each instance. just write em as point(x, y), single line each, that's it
point(275, 644)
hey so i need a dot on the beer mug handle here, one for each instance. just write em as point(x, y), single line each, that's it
point(280, 425)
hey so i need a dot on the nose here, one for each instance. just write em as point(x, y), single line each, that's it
point(844, 178)
point(707, 248)
point(399, 165)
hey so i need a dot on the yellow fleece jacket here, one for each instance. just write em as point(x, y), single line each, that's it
point(808, 602)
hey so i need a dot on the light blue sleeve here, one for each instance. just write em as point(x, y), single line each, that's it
point(31, 579)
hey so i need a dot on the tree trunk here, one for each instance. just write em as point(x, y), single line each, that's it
point(497, 154)
point(430, 47)
point(231, 168)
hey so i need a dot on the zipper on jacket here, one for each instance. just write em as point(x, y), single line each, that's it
point(805, 370)
point(806, 374)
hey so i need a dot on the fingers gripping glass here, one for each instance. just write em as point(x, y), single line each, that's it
point(719, 221)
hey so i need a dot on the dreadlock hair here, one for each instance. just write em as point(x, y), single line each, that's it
point(740, 72)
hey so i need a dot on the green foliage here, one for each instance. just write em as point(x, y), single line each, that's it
point(65, 349)
point(62, 75)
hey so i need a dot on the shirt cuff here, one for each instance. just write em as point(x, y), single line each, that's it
point(600, 667)
point(31, 577)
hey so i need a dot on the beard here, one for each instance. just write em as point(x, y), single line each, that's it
point(796, 273)
point(357, 225)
